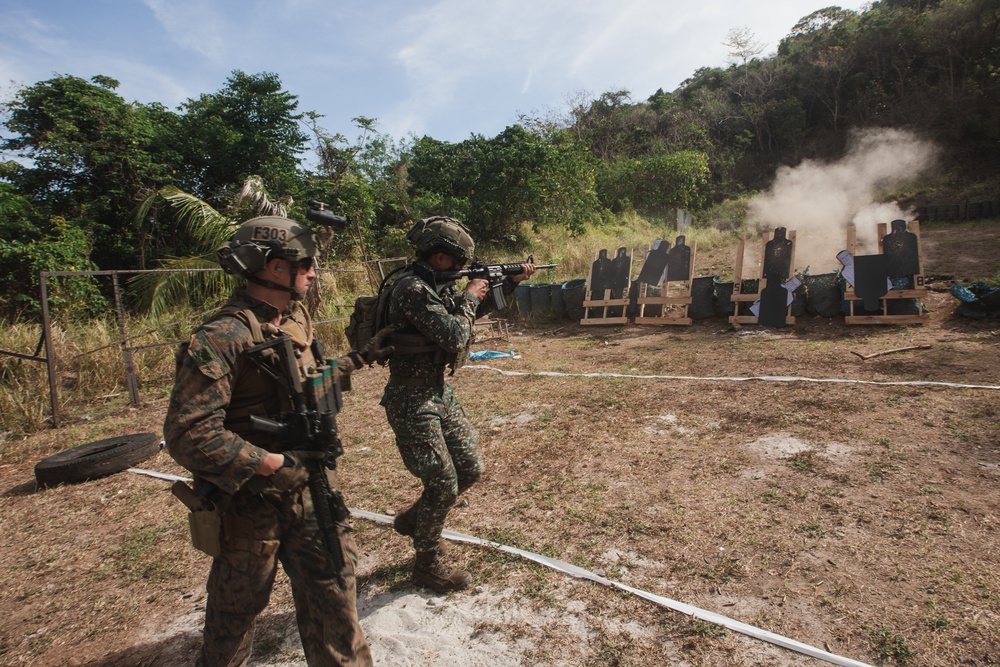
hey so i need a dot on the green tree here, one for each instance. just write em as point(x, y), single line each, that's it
point(158, 293)
point(64, 248)
point(497, 184)
point(655, 185)
point(87, 158)
point(250, 127)
point(358, 178)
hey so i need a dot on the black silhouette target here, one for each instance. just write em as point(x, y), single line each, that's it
point(777, 265)
point(900, 247)
point(618, 276)
point(773, 305)
point(679, 261)
point(655, 263)
point(870, 279)
point(599, 273)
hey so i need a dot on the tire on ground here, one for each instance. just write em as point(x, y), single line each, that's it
point(96, 459)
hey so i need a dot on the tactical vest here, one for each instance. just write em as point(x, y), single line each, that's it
point(253, 391)
point(407, 339)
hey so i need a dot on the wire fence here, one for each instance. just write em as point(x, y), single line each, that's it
point(128, 343)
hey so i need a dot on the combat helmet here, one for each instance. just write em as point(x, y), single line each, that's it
point(442, 234)
point(261, 239)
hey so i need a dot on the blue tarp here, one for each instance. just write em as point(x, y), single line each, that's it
point(491, 354)
point(979, 299)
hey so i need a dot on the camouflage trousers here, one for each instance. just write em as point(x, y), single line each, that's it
point(259, 531)
point(439, 446)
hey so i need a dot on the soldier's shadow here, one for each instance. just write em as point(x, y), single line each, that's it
point(178, 650)
point(276, 631)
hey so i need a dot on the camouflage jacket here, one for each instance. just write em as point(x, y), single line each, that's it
point(441, 313)
point(217, 388)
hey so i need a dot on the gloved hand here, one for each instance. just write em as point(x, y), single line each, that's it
point(356, 359)
point(291, 475)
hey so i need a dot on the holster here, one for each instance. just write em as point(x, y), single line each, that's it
point(204, 519)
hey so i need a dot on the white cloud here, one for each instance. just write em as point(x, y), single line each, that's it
point(195, 25)
point(447, 68)
point(473, 56)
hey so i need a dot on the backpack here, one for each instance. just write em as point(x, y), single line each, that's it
point(370, 314)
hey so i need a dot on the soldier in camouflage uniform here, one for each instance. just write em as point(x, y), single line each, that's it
point(267, 511)
point(434, 326)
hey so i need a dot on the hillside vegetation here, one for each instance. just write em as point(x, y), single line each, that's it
point(94, 181)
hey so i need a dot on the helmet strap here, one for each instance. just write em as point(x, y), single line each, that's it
point(290, 287)
point(271, 285)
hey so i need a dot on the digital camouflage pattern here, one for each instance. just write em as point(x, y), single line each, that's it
point(268, 520)
point(435, 439)
point(439, 446)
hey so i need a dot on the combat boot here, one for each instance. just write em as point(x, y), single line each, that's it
point(405, 522)
point(429, 571)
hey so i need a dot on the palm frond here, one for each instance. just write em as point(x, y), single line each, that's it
point(192, 281)
point(206, 225)
point(255, 194)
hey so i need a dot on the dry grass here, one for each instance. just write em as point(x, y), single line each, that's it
point(574, 254)
point(863, 518)
point(91, 376)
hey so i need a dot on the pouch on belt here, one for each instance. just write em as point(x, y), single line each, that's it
point(204, 519)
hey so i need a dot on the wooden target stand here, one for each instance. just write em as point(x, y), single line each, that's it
point(739, 296)
point(918, 292)
point(675, 292)
point(597, 302)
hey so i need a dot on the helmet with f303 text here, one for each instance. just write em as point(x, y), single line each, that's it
point(261, 239)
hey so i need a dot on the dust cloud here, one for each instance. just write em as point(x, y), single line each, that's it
point(819, 199)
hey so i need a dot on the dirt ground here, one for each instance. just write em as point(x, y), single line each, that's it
point(859, 517)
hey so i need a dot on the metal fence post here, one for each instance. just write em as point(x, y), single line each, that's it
point(133, 382)
point(50, 355)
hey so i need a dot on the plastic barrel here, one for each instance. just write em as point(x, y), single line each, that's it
point(823, 294)
point(748, 286)
point(572, 292)
point(722, 293)
point(557, 307)
point(541, 299)
point(522, 295)
point(799, 301)
point(702, 303)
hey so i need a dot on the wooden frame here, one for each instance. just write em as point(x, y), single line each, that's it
point(604, 300)
point(678, 301)
point(490, 330)
point(919, 291)
point(739, 296)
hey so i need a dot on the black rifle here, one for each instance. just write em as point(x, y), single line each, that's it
point(494, 273)
point(309, 431)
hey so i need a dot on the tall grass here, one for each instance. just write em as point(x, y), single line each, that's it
point(90, 367)
point(575, 254)
point(91, 372)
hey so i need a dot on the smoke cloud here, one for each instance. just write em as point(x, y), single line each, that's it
point(818, 200)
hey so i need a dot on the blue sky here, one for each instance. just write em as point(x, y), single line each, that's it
point(444, 68)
